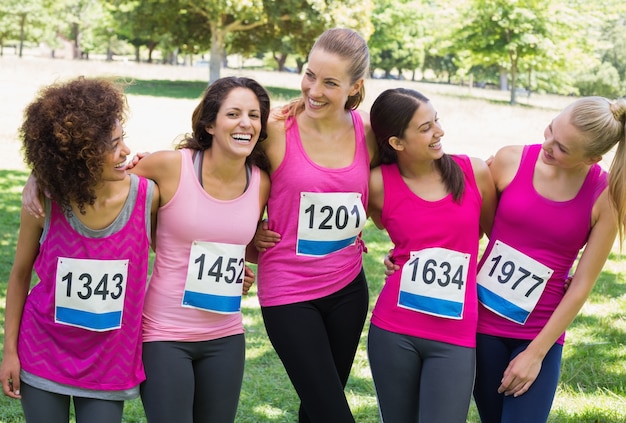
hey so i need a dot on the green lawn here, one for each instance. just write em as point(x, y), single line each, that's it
point(593, 381)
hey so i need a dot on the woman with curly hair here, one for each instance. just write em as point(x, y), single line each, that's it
point(77, 334)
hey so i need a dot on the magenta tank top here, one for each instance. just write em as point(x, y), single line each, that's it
point(533, 246)
point(67, 335)
point(436, 245)
point(319, 213)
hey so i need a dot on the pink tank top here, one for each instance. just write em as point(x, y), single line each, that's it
point(319, 213)
point(192, 229)
point(62, 338)
point(549, 235)
point(436, 245)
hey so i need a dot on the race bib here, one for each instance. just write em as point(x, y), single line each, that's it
point(433, 281)
point(510, 283)
point(215, 277)
point(90, 293)
point(328, 222)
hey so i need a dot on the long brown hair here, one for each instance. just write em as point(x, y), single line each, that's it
point(390, 116)
point(206, 112)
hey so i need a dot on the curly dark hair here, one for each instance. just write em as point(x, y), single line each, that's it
point(66, 135)
point(206, 112)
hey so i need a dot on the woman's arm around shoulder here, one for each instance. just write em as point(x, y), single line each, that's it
point(376, 197)
point(163, 167)
point(487, 192)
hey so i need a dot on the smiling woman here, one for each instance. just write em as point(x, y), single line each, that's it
point(97, 213)
point(214, 188)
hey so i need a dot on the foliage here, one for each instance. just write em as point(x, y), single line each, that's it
point(603, 80)
point(398, 40)
point(287, 33)
point(506, 34)
point(543, 45)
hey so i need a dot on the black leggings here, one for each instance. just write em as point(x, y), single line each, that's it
point(190, 382)
point(317, 341)
point(48, 407)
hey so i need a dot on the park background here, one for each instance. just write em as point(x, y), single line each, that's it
point(559, 49)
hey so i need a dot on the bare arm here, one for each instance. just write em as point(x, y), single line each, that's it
point(376, 197)
point(17, 289)
point(163, 167)
point(504, 166)
point(372, 146)
point(488, 193)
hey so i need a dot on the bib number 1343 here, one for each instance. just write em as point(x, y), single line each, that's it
point(90, 293)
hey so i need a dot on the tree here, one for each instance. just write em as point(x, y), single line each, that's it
point(505, 33)
point(144, 22)
point(224, 17)
point(398, 40)
point(293, 25)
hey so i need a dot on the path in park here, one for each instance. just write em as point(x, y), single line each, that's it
point(473, 126)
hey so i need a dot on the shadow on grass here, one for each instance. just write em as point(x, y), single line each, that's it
point(191, 89)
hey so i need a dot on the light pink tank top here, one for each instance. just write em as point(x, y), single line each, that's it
point(193, 216)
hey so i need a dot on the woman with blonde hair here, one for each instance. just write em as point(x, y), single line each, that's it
point(555, 200)
point(311, 284)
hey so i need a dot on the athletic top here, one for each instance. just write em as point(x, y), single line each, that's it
point(533, 245)
point(319, 213)
point(436, 245)
point(81, 325)
point(194, 293)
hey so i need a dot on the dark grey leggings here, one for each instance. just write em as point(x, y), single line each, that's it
point(419, 380)
point(47, 407)
point(190, 382)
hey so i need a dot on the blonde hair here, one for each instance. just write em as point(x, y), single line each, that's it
point(603, 123)
point(347, 44)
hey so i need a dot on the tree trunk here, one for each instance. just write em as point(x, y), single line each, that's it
point(513, 80)
point(504, 83)
point(280, 58)
point(22, 33)
point(215, 61)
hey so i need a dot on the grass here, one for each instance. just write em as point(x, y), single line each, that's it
point(593, 381)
